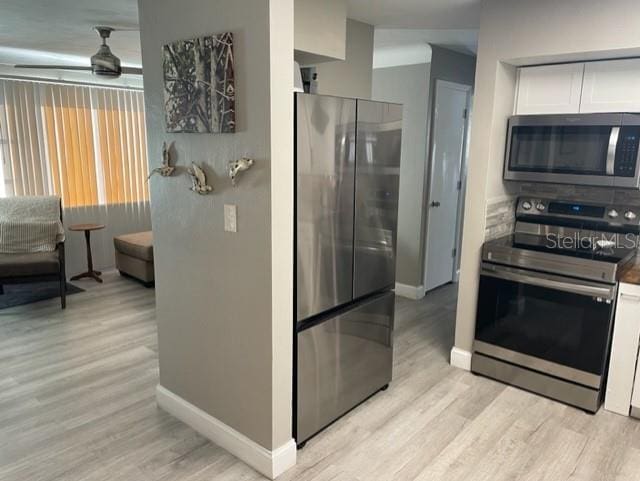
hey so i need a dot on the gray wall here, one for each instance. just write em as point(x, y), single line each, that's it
point(521, 32)
point(414, 86)
point(408, 85)
point(320, 29)
point(220, 347)
point(452, 66)
point(352, 76)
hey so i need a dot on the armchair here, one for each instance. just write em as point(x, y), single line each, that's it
point(45, 261)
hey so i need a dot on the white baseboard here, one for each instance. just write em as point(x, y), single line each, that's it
point(269, 463)
point(410, 292)
point(461, 359)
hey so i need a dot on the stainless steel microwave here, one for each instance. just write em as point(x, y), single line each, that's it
point(579, 149)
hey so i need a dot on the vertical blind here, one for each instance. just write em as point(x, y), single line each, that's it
point(86, 144)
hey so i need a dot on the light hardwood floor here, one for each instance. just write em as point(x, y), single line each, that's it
point(77, 403)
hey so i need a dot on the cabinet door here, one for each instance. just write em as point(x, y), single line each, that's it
point(342, 361)
point(611, 86)
point(550, 89)
point(376, 200)
point(624, 350)
point(325, 153)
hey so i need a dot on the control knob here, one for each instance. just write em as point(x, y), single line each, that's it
point(630, 215)
point(613, 213)
point(540, 206)
point(526, 205)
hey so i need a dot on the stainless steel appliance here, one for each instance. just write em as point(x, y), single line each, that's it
point(582, 149)
point(347, 178)
point(547, 298)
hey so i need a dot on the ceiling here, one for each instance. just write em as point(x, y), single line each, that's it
point(65, 26)
point(61, 31)
point(421, 14)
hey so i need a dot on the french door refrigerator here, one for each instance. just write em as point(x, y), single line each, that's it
point(347, 181)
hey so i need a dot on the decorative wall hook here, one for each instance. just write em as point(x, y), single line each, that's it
point(198, 180)
point(166, 169)
point(237, 166)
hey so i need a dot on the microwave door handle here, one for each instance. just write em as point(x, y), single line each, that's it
point(611, 151)
point(542, 281)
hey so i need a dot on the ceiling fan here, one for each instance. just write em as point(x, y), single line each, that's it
point(103, 63)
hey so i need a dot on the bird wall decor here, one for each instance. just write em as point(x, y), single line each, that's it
point(237, 166)
point(198, 180)
point(166, 169)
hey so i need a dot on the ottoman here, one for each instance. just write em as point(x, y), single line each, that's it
point(134, 256)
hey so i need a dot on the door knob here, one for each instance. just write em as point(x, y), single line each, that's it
point(435, 204)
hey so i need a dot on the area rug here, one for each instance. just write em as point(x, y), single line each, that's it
point(20, 294)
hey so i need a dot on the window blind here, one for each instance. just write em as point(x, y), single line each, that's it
point(85, 144)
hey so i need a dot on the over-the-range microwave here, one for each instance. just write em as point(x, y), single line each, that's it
point(580, 149)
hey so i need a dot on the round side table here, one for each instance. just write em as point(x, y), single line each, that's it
point(87, 228)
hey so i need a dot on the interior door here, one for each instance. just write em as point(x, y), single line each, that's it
point(448, 140)
point(325, 153)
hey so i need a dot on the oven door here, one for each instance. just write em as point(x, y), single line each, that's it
point(575, 149)
point(552, 324)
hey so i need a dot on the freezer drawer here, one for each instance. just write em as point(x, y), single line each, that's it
point(379, 135)
point(342, 361)
point(325, 153)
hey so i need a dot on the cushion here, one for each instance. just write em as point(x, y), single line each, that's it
point(138, 245)
point(30, 224)
point(31, 264)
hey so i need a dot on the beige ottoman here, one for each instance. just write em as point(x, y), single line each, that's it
point(134, 256)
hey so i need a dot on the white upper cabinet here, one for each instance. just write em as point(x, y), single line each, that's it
point(611, 86)
point(549, 89)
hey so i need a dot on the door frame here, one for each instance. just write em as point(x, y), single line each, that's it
point(463, 176)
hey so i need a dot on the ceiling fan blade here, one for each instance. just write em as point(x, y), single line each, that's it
point(132, 70)
point(56, 67)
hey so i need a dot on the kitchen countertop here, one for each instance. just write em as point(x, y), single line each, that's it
point(630, 272)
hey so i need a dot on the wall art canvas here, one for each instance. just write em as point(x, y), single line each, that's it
point(199, 90)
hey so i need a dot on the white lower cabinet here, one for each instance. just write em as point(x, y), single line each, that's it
point(624, 352)
point(635, 398)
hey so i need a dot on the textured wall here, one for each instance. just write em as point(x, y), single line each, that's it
point(350, 77)
point(221, 348)
point(320, 29)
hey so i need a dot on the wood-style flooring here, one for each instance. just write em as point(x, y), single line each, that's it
point(77, 403)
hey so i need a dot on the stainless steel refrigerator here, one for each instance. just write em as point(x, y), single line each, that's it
point(347, 181)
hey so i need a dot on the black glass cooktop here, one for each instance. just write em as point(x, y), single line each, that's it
point(612, 249)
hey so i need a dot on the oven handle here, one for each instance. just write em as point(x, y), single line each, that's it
point(550, 282)
point(611, 151)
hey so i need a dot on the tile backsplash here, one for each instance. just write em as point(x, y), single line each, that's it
point(500, 213)
point(500, 217)
point(607, 195)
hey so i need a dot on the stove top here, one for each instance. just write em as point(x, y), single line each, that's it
point(603, 250)
point(569, 238)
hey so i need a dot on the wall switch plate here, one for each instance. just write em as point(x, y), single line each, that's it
point(230, 218)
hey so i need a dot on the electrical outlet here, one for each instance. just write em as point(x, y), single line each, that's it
point(230, 218)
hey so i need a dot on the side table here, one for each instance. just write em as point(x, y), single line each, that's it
point(87, 228)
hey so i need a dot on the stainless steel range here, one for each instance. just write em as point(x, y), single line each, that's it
point(547, 298)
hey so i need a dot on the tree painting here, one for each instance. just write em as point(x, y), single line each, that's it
point(199, 90)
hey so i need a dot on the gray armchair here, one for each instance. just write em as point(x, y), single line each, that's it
point(27, 267)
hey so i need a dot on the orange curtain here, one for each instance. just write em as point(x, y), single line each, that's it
point(85, 144)
point(123, 146)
